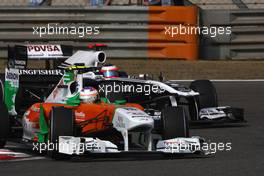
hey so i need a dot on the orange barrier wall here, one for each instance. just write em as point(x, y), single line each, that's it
point(170, 44)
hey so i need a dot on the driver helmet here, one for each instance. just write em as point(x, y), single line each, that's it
point(88, 95)
point(110, 71)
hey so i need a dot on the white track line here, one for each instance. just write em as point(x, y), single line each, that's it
point(14, 154)
point(223, 80)
point(24, 159)
point(18, 156)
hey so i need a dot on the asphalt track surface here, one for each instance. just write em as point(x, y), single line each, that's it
point(245, 158)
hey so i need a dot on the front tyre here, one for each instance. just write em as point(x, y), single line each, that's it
point(62, 122)
point(174, 123)
point(207, 91)
point(4, 124)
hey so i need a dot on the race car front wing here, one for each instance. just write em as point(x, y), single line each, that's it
point(80, 145)
point(219, 116)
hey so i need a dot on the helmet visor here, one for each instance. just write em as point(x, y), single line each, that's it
point(110, 74)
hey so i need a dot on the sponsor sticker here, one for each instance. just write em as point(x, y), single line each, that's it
point(44, 51)
point(41, 72)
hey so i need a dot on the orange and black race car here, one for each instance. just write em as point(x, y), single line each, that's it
point(75, 118)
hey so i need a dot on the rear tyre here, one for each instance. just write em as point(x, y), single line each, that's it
point(208, 95)
point(174, 123)
point(4, 124)
point(62, 122)
point(1, 92)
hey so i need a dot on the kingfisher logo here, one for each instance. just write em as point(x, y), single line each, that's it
point(41, 72)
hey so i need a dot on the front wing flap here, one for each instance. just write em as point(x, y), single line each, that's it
point(220, 116)
point(82, 145)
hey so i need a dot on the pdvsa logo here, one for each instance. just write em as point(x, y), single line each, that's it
point(43, 48)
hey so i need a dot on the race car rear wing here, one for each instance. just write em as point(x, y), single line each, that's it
point(19, 55)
